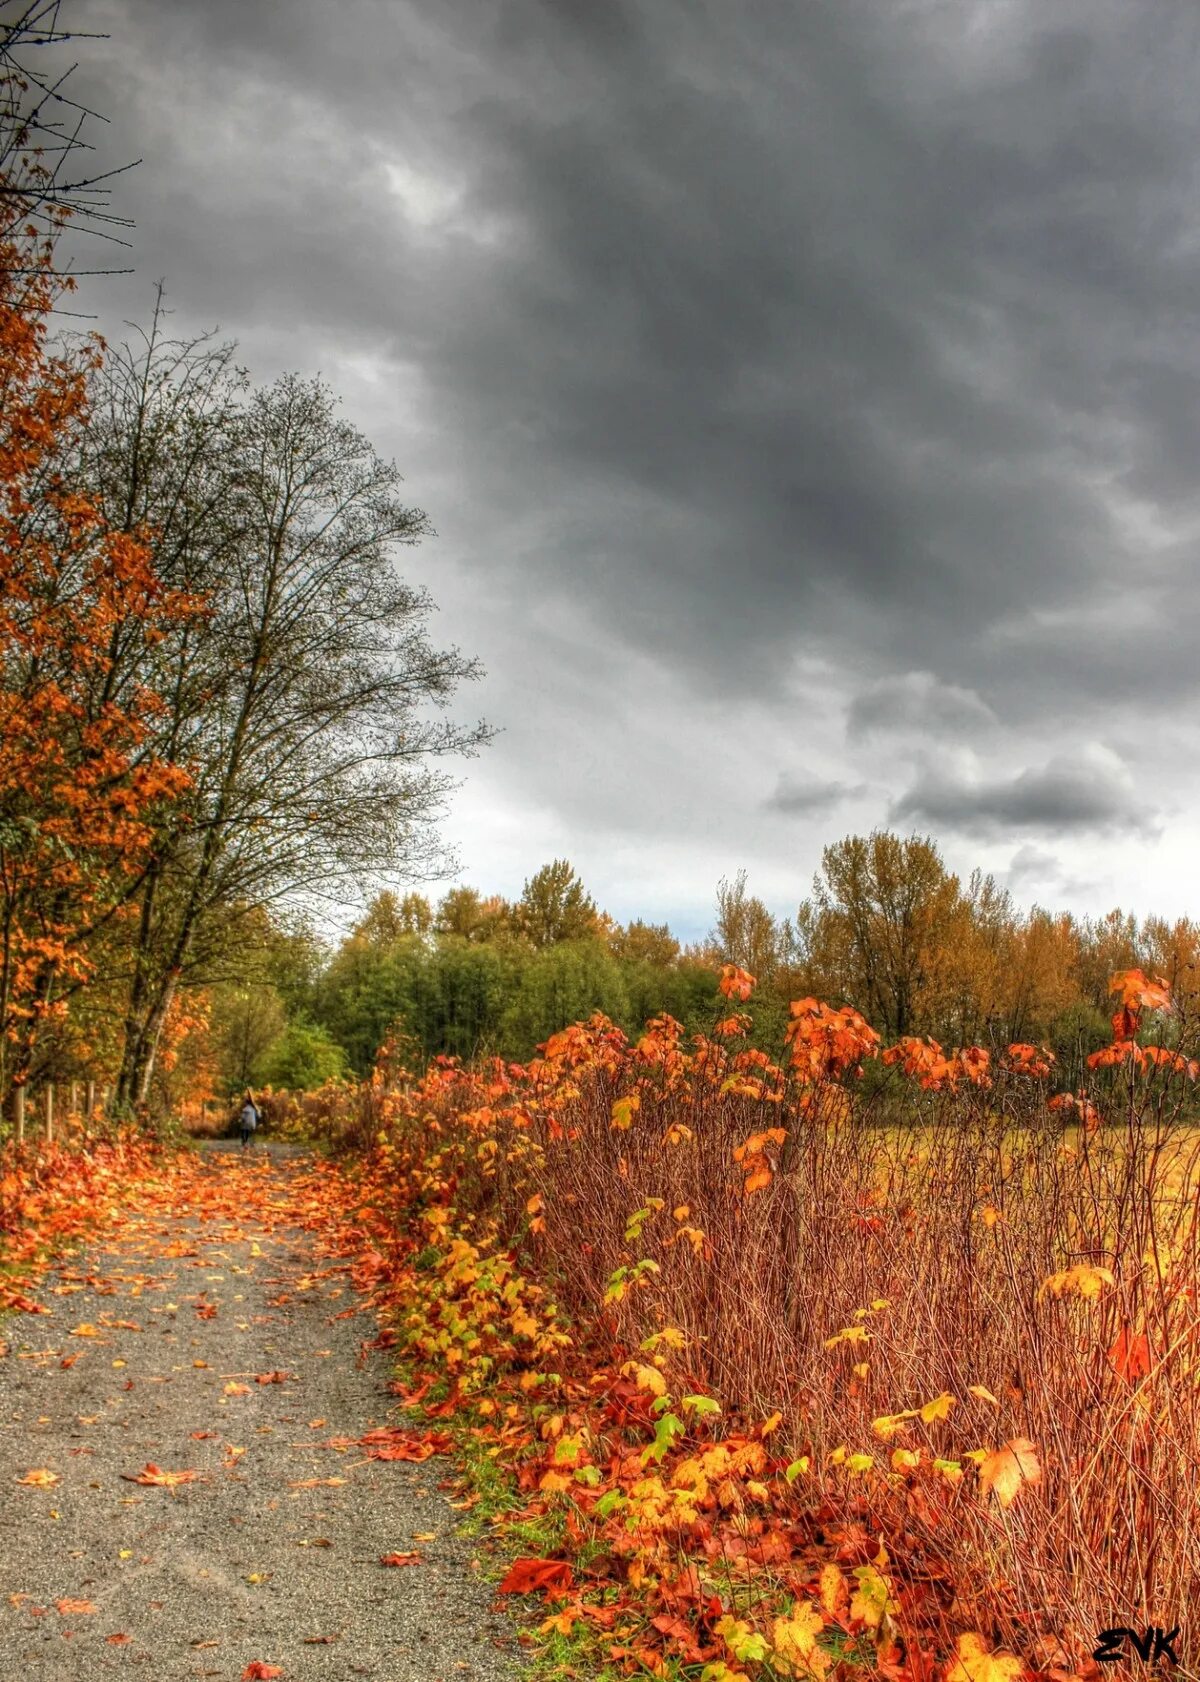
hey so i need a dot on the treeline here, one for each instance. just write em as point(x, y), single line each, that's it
point(216, 689)
point(886, 928)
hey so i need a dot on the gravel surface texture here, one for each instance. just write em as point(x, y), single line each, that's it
point(260, 1559)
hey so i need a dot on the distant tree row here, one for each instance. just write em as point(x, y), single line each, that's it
point(886, 927)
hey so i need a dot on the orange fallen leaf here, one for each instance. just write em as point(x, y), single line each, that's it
point(40, 1478)
point(527, 1576)
point(71, 1608)
point(260, 1672)
point(400, 1559)
point(235, 1389)
point(119, 1639)
point(272, 1377)
point(152, 1474)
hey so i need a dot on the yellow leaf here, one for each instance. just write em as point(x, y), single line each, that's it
point(646, 1378)
point(938, 1408)
point(1082, 1280)
point(832, 1587)
point(794, 1639)
point(889, 1425)
point(623, 1111)
point(905, 1460)
point(984, 1394)
point(975, 1664)
point(872, 1600)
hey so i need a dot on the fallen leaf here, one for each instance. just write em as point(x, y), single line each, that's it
point(272, 1377)
point(152, 1474)
point(235, 1389)
point(260, 1672)
point(527, 1576)
point(400, 1559)
point(118, 1640)
point(40, 1478)
point(73, 1608)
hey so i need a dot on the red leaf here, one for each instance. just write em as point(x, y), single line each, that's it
point(1130, 1356)
point(260, 1672)
point(527, 1576)
point(400, 1559)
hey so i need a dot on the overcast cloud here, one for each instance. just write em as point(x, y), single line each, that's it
point(805, 397)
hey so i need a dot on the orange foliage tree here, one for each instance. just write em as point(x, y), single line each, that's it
point(76, 777)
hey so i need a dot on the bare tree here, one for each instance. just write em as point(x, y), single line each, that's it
point(305, 704)
point(44, 184)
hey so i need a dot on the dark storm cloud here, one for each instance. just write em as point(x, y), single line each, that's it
point(1092, 794)
point(732, 337)
point(872, 294)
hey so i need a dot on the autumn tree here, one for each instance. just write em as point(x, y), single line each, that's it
point(307, 711)
point(389, 917)
point(881, 907)
point(82, 780)
point(554, 906)
point(650, 943)
point(745, 932)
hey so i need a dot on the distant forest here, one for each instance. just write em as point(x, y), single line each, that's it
point(886, 927)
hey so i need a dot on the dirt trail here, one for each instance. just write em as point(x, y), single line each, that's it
point(167, 1326)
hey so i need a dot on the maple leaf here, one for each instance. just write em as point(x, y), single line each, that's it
point(794, 1639)
point(939, 1407)
point(1130, 1355)
point(257, 1671)
point(1082, 1280)
point(400, 1559)
point(40, 1478)
point(153, 1475)
point(975, 1664)
point(1008, 1468)
point(528, 1576)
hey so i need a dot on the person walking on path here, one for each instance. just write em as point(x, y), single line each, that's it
point(249, 1119)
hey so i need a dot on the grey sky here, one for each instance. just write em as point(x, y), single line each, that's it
point(805, 397)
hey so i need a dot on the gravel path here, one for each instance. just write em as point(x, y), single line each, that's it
point(152, 1354)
